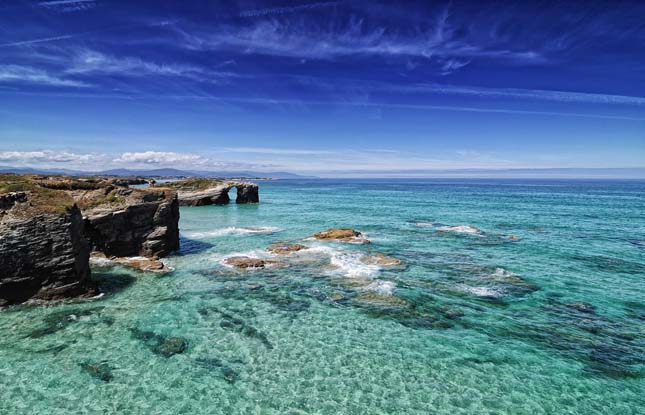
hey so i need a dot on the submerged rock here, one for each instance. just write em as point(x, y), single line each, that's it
point(380, 259)
point(244, 262)
point(582, 306)
point(161, 345)
point(342, 235)
point(283, 248)
point(230, 322)
point(101, 370)
point(376, 297)
point(213, 363)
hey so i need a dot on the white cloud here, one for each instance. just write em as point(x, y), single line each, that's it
point(17, 73)
point(48, 156)
point(161, 157)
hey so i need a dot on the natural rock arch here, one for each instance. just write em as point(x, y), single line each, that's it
point(246, 193)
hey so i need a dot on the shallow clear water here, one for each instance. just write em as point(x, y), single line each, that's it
point(476, 321)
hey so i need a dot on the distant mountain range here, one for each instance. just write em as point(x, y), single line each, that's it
point(545, 173)
point(155, 173)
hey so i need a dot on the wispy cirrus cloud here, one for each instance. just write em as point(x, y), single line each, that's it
point(67, 6)
point(29, 75)
point(351, 37)
point(87, 61)
point(289, 9)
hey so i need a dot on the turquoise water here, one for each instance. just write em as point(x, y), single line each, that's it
point(475, 321)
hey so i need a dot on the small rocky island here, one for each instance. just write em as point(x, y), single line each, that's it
point(49, 225)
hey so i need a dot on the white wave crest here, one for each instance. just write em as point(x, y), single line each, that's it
point(232, 230)
point(482, 291)
point(461, 229)
point(382, 287)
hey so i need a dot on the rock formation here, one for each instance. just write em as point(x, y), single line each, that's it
point(43, 253)
point(245, 262)
point(137, 222)
point(341, 235)
point(380, 259)
point(283, 248)
point(203, 192)
point(45, 241)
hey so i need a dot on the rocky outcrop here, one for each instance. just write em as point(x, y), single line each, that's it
point(141, 222)
point(43, 253)
point(212, 196)
point(204, 192)
point(245, 262)
point(341, 235)
point(247, 193)
point(99, 260)
point(283, 248)
point(381, 259)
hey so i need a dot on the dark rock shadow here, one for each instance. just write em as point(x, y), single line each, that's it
point(192, 246)
point(109, 283)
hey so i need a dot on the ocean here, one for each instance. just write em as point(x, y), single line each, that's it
point(513, 297)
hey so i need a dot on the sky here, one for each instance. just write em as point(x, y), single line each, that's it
point(322, 87)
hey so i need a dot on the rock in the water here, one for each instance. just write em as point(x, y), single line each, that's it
point(43, 253)
point(140, 263)
point(342, 235)
point(247, 193)
point(282, 248)
point(380, 259)
point(203, 192)
point(245, 262)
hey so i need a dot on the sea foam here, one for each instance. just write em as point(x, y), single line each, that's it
point(232, 230)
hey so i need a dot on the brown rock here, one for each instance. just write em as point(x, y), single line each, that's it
point(380, 259)
point(341, 235)
point(244, 262)
point(282, 248)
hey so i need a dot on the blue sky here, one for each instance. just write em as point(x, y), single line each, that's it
point(326, 87)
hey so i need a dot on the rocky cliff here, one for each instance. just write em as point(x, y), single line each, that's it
point(45, 239)
point(132, 222)
point(43, 253)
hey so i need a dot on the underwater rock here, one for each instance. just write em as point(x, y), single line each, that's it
point(245, 262)
point(213, 363)
point(283, 248)
point(160, 345)
point(582, 307)
point(341, 235)
point(59, 320)
point(101, 371)
point(514, 237)
point(230, 322)
point(376, 297)
point(380, 259)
